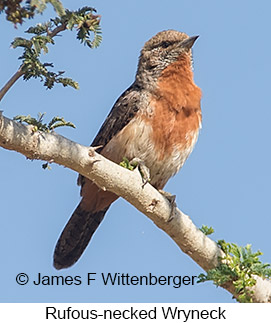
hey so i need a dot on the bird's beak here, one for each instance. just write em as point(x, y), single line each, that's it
point(189, 42)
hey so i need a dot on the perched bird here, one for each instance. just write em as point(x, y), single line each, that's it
point(157, 120)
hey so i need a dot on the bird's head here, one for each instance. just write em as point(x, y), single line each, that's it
point(161, 50)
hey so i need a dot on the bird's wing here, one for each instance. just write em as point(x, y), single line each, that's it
point(123, 111)
point(120, 115)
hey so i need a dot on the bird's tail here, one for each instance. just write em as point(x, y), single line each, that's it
point(76, 236)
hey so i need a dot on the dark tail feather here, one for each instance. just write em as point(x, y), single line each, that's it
point(76, 236)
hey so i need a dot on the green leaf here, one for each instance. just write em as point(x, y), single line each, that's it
point(88, 32)
point(239, 267)
point(40, 5)
point(16, 10)
point(126, 164)
point(60, 10)
point(207, 230)
point(68, 82)
point(40, 125)
point(39, 29)
point(21, 42)
point(59, 122)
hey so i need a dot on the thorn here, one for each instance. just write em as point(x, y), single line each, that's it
point(92, 150)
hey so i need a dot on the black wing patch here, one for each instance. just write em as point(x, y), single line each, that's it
point(120, 115)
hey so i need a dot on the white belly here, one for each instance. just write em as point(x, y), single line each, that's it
point(135, 140)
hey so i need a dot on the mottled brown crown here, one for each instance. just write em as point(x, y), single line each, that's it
point(166, 36)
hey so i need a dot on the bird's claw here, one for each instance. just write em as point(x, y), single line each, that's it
point(143, 169)
point(171, 198)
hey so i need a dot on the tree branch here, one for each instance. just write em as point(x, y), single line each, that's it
point(20, 71)
point(57, 30)
point(10, 82)
point(52, 147)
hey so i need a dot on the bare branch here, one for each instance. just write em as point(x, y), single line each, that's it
point(57, 30)
point(110, 176)
point(10, 82)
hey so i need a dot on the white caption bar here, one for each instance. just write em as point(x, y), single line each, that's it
point(137, 312)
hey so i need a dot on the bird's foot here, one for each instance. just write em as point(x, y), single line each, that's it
point(143, 170)
point(171, 198)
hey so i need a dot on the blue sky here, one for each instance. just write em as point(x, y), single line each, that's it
point(224, 184)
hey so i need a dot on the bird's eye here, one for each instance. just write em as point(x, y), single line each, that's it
point(165, 44)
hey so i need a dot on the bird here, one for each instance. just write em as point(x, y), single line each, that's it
point(156, 120)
